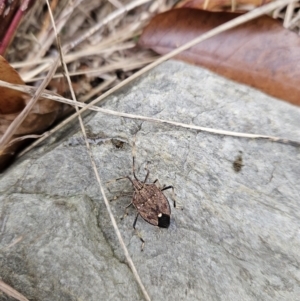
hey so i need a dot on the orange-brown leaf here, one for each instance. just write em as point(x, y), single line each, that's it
point(260, 53)
point(11, 101)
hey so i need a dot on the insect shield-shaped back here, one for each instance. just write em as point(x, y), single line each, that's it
point(151, 204)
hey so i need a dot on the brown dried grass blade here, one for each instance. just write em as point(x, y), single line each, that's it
point(114, 223)
point(52, 96)
point(8, 290)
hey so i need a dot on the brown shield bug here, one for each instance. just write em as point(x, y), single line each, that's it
point(149, 200)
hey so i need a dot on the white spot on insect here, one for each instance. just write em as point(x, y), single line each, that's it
point(159, 215)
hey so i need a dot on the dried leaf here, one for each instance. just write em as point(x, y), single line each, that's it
point(260, 53)
point(12, 102)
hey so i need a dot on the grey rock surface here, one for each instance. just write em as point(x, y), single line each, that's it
point(237, 238)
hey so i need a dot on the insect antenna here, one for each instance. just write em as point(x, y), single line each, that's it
point(133, 164)
point(133, 159)
point(147, 175)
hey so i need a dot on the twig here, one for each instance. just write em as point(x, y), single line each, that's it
point(53, 96)
point(123, 64)
point(114, 223)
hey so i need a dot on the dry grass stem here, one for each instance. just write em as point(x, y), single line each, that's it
point(11, 292)
point(107, 45)
point(31, 90)
point(114, 223)
point(97, 90)
point(14, 242)
point(47, 39)
point(288, 15)
point(126, 64)
point(123, 9)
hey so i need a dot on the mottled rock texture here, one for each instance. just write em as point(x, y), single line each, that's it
point(237, 238)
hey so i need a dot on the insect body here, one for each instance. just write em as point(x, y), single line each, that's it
point(149, 200)
point(151, 204)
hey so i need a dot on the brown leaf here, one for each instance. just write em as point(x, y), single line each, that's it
point(260, 53)
point(11, 101)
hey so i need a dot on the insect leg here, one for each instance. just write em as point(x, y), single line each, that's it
point(134, 223)
point(114, 180)
point(121, 195)
point(176, 205)
point(137, 232)
point(123, 178)
point(141, 238)
point(125, 211)
point(167, 187)
point(157, 183)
